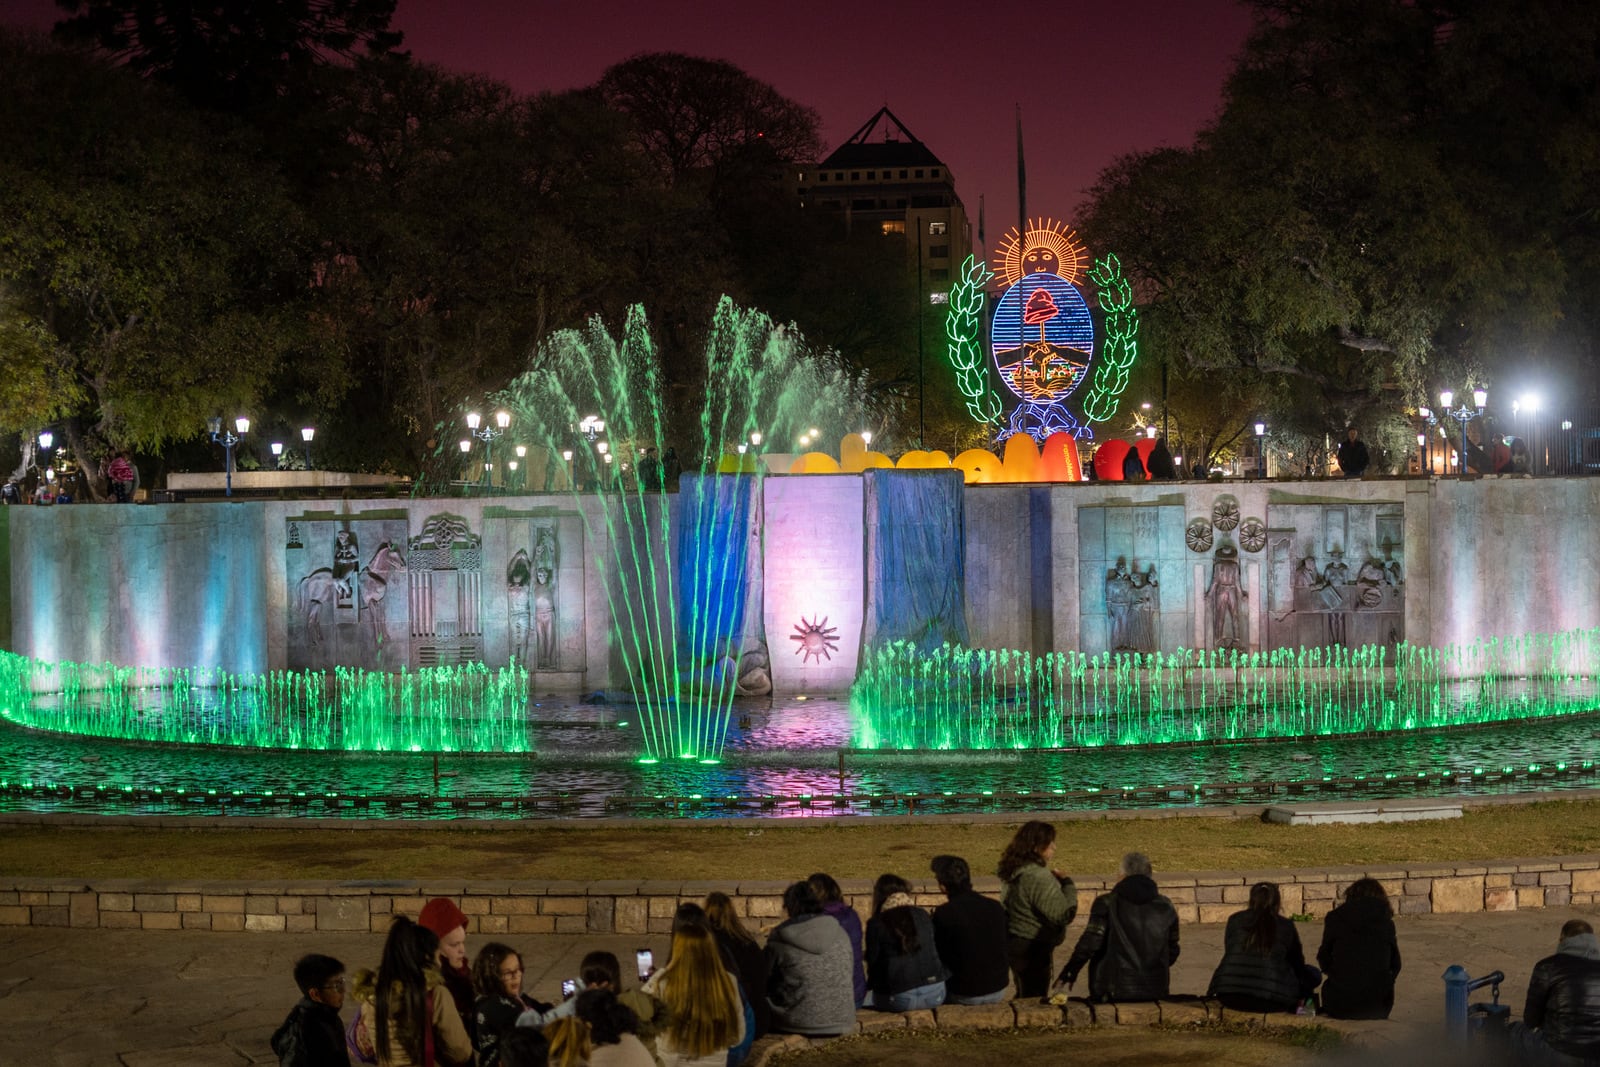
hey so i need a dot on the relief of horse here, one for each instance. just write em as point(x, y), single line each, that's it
point(320, 588)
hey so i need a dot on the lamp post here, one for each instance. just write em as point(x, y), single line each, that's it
point(1463, 415)
point(277, 455)
point(229, 441)
point(306, 434)
point(488, 435)
point(1261, 447)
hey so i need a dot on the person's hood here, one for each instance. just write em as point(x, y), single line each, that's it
point(816, 933)
point(1584, 946)
point(1137, 889)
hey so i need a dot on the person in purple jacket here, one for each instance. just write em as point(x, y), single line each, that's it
point(833, 903)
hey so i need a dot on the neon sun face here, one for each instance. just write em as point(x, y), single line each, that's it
point(815, 639)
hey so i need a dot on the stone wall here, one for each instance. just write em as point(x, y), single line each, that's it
point(635, 907)
point(209, 584)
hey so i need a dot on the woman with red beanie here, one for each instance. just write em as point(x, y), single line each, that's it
point(450, 924)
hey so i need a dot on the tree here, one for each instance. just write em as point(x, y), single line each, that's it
point(1373, 209)
point(147, 267)
point(230, 54)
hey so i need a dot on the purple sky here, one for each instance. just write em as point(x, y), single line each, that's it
point(1095, 80)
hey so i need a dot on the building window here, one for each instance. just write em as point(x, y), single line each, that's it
point(894, 226)
point(872, 175)
point(938, 298)
point(801, 176)
point(902, 174)
point(864, 204)
point(936, 228)
point(938, 251)
point(919, 173)
point(855, 175)
point(822, 177)
point(939, 274)
point(934, 173)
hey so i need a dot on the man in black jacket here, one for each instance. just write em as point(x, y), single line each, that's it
point(969, 930)
point(1131, 941)
point(1561, 1020)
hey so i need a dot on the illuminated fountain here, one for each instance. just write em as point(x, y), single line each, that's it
point(682, 575)
point(973, 699)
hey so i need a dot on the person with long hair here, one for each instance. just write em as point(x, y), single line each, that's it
point(613, 1031)
point(1360, 954)
point(704, 1015)
point(839, 909)
point(1263, 967)
point(407, 1016)
point(808, 969)
point(497, 976)
point(903, 968)
point(1040, 903)
point(570, 1045)
point(750, 967)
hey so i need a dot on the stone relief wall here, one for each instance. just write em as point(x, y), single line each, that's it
point(1132, 587)
point(347, 594)
point(1336, 575)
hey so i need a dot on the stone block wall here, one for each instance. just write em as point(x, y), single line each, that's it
point(638, 907)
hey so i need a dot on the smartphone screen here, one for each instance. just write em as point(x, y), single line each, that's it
point(647, 962)
point(569, 987)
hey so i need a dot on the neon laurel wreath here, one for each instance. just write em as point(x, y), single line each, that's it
point(963, 325)
point(1121, 345)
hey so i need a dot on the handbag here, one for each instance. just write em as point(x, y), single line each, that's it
point(357, 1042)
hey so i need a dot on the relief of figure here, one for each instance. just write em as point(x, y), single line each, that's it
point(315, 590)
point(374, 588)
point(1369, 584)
point(1146, 609)
point(544, 620)
point(1119, 607)
point(1227, 596)
point(346, 563)
point(519, 573)
point(1335, 577)
point(1306, 575)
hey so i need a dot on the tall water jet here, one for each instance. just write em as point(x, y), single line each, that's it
point(681, 572)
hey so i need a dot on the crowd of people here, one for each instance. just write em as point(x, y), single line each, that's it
point(720, 988)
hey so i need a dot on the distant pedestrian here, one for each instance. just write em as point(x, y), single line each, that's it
point(313, 1033)
point(1133, 466)
point(1040, 903)
point(1360, 954)
point(1353, 458)
point(1160, 462)
point(121, 475)
point(671, 468)
point(1131, 940)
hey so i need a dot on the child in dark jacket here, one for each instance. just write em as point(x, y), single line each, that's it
point(313, 1035)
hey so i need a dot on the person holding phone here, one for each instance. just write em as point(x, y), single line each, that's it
point(602, 970)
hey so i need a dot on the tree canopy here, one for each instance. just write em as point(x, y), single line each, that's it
point(1394, 195)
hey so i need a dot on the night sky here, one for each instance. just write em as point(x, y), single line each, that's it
point(1095, 80)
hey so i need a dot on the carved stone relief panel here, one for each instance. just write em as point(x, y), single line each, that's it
point(1345, 583)
point(347, 592)
point(1133, 582)
point(446, 571)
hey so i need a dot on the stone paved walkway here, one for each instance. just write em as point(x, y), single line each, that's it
point(204, 999)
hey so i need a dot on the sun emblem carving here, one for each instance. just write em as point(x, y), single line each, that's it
point(1253, 535)
point(814, 638)
point(1198, 535)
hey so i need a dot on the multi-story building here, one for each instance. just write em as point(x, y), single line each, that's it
point(883, 179)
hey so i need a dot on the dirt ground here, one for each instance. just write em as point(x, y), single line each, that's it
point(1156, 1047)
point(777, 849)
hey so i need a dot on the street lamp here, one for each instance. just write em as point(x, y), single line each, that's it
point(1422, 453)
point(592, 426)
point(306, 434)
point(1261, 447)
point(1463, 415)
point(47, 440)
point(488, 435)
point(755, 438)
point(229, 441)
point(277, 455)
